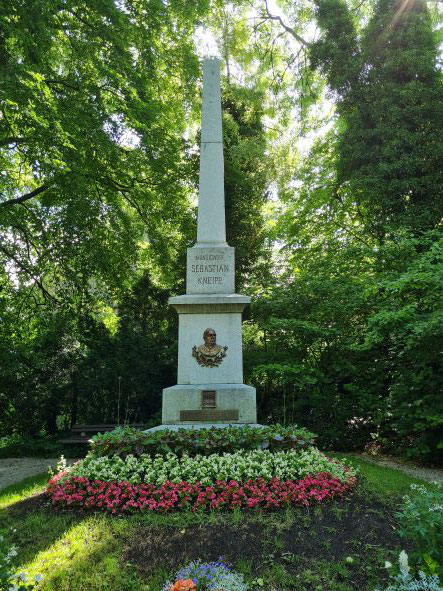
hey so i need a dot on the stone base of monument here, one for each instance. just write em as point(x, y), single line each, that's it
point(194, 404)
point(203, 426)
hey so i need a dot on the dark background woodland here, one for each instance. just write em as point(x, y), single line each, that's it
point(339, 246)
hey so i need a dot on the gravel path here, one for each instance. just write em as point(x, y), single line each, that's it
point(13, 470)
point(429, 474)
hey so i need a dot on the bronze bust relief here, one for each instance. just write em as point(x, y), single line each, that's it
point(209, 354)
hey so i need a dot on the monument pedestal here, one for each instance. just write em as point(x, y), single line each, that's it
point(214, 392)
point(209, 403)
point(197, 313)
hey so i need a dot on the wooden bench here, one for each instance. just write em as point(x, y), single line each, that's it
point(83, 433)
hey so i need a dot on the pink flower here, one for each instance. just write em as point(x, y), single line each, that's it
point(124, 497)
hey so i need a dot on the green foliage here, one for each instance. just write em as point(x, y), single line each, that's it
point(348, 349)
point(91, 121)
point(91, 150)
point(120, 376)
point(406, 325)
point(240, 466)
point(307, 361)
point(390, 101)
point(404, 581)
point(420, 518)
point(74, 370)
point(8, 580)
point(17, 446)
point(346, 335)
point(124, 441)
point(246, 179)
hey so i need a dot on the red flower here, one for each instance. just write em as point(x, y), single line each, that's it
point(124, 497)
point(184, 585)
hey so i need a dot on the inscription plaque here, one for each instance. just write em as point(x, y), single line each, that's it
point(208, 399)
point(210, 270)
point(208, 415)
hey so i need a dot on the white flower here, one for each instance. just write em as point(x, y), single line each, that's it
point(240, 465)
point(403, 560)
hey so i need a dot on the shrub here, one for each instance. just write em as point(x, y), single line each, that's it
point(240, 466)
point(405, 582)
point(421, 520)
point(8, 580)
point(19, 446)
point(127, 441)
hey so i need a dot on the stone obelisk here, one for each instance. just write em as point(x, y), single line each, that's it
point(210, 387)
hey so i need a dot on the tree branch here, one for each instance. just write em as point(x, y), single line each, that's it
point(82, 20)
point(30, 274)
point(25, 197)
point(360, 4)
point(27, 239)
point(288, 29)
point(135, 205)
point(12, 140)
point(62, 83)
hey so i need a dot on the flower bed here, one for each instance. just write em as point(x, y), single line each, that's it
point(206, 576)
point(239, 466)
point(123, 497)
point(127, 441)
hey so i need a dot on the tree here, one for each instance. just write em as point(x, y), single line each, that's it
point(95, 98)
point(91, 143)
point(123, 372)
point(246, 178)
point(389, 97)
point(346, 341)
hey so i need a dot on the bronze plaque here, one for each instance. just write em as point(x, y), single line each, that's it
point(208, 399)
point(208, 415)
point(209, 354)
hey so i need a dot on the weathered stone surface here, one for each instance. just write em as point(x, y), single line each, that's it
point(228, 328)
point(211, 128)
point(211, 227)
point(209, 304)
point(210, 270)
point(229, 397)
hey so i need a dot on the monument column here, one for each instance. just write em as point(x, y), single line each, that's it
point(210, 387)
point(211, 227)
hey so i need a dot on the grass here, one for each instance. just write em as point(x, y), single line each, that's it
point(88, 552)
point(26, 488)
point(388, 484)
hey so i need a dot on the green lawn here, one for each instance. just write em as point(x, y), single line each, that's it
point(389, 484)
point(340, 546)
